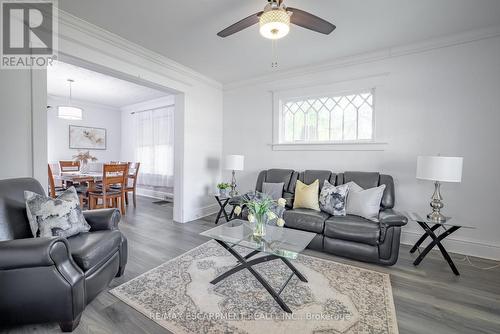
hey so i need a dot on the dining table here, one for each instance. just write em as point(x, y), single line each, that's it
point(70, 178)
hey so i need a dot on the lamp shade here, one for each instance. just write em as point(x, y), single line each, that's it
point(438, 168)
point(234, 162)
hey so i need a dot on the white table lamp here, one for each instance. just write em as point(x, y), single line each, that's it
point(234, 163)
point(439, 169)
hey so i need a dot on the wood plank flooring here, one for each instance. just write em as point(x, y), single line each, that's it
point(428, 298)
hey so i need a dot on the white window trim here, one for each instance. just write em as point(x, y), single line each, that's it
point(341, 88)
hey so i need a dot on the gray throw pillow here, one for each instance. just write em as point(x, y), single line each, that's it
point(364, 203)
point(273, 190)
point(61, 216)
point(332, 199)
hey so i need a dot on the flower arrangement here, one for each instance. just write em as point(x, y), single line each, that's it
point(262, 210)
point(84, 157)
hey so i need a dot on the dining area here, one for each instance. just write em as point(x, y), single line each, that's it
point(99, 185)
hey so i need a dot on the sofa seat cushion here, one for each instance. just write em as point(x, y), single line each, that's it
point(306, 219)
point(353, 228)
point(91, 249)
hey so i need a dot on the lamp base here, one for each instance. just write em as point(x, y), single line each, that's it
point(436, 205)
point(436, 217)
point(233, 191)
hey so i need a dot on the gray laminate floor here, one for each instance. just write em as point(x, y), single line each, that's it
point(428, 298)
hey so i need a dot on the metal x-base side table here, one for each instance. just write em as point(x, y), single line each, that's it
point(448, 228)
point(223, 202)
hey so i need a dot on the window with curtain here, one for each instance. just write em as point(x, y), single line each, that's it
point(154, 147)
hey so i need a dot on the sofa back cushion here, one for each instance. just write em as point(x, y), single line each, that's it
point(274, 176)
point(365, 180)
point(309, 176)
point(14, 222)
point(389, 196)
point(370, 180)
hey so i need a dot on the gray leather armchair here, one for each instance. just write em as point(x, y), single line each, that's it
point(53, 279)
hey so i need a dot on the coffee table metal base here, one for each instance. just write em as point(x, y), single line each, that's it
point(245, 263)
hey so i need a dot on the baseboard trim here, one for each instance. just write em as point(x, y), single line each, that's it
point(465, 247)
point(153, 193)
point(201, 212)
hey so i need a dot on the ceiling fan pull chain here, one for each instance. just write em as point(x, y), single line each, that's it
point(274, 63)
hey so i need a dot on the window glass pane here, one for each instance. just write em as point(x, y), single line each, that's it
point(324, 124)
point(311, 125)
point(350, 130)
point(288, 127)
point(336, 124)
point(365, 122)
point(299, 125)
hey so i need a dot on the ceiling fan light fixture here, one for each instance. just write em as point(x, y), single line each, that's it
point(274, 23)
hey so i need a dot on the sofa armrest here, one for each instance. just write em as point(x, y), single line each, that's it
point(31, 252)
point(390, 217)
point(102, 219)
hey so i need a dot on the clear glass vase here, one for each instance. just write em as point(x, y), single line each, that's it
point(259, 229)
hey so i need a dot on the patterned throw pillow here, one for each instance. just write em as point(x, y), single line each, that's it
point(333, 199)
point(61, 216)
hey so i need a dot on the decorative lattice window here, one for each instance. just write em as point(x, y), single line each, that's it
point(336, 119)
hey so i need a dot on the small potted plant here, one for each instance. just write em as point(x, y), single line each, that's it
point(224, 189)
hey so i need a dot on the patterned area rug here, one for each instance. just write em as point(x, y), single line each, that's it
point(338, 298)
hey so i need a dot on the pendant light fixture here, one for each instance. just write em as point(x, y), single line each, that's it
point(70, 111)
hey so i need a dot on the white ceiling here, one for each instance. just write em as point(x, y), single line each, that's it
point(185, 30)
point(96, 87)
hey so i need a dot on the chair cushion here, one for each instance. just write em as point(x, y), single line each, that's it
point(306, 219)
point(353, 228)
point(91, 248)
point(108, 193)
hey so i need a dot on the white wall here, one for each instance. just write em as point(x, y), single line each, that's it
point(23, 95)
point(437, 100)
point(94, 115)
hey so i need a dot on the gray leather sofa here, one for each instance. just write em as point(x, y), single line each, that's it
point(349, 236)
point(53, 279)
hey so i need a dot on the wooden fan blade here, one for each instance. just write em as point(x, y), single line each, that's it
point(310, 21)
point(240, 25)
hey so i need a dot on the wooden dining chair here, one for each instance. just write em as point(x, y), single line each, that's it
point(53, 190)
point(133, 172)
point(69, 166)
point(112, 175)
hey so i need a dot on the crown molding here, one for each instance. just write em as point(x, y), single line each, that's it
point(96, 32)
point(368, 57)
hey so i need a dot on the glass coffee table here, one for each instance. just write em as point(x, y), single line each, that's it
point(279, 243)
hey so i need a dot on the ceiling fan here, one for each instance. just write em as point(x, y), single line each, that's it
point(275, 19)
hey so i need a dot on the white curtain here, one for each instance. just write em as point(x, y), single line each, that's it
point(154, 147)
